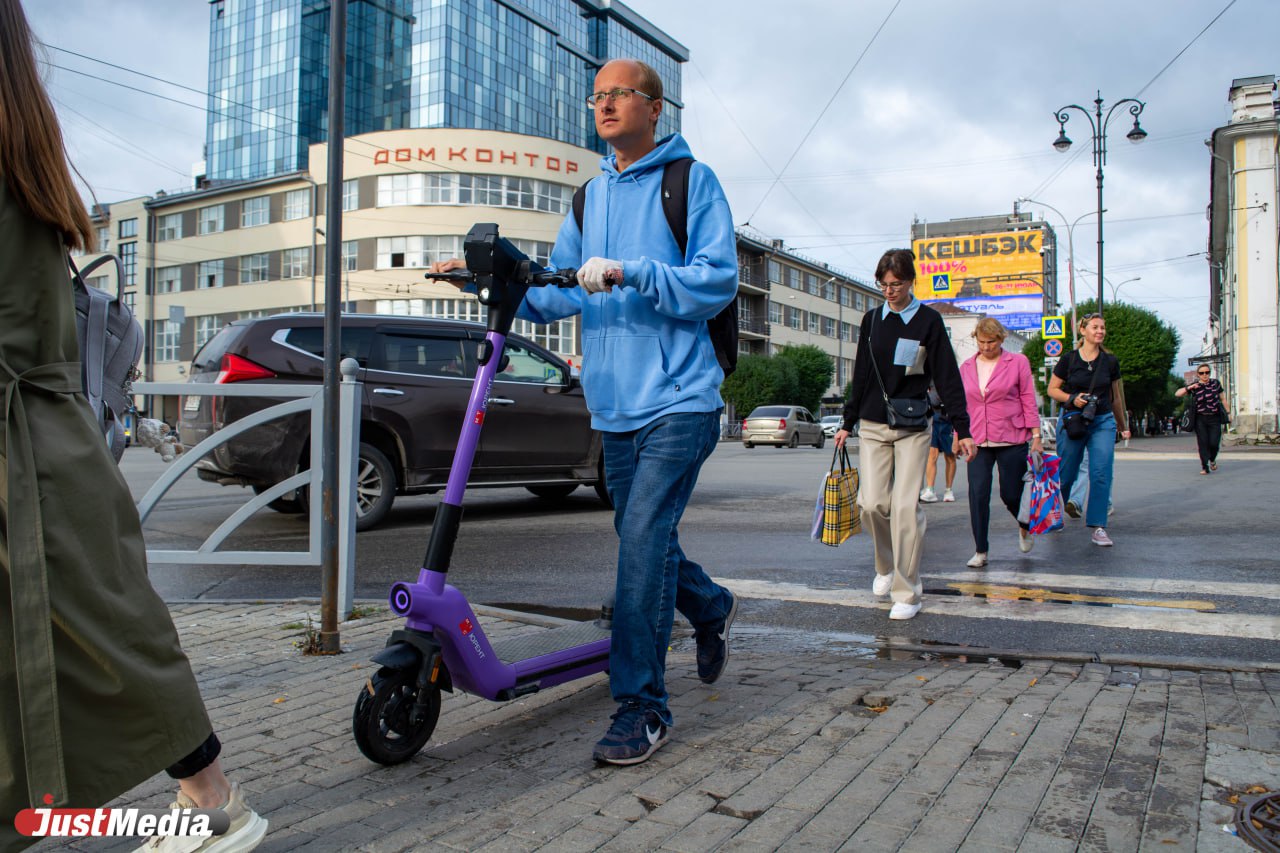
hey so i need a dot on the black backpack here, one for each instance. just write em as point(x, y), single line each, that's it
point(723, 327)
point(110, 346)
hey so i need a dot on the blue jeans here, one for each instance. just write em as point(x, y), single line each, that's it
point(1100, 440)
point(650, 473)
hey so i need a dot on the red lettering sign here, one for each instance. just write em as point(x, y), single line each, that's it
point(507, 157)
point(484, 155)
point(459, 154)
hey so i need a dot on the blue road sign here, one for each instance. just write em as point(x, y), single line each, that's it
point(941, 282)
point(1053, 348)
point(1053, 326)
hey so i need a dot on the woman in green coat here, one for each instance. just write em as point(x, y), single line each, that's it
point(96, 694)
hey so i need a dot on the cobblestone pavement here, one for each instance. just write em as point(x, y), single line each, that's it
point(806, 752)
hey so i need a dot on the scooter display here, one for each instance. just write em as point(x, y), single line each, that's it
point(442, 646)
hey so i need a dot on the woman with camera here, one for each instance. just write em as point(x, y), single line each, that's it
point(1208, 406)
point(1086, 383)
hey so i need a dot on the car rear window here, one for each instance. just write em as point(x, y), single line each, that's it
point(209, 357)
point(770, 412)
point(355, 342)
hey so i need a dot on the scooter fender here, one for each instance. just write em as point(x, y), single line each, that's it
point(407, 649)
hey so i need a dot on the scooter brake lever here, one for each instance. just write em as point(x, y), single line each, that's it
point(452, 275)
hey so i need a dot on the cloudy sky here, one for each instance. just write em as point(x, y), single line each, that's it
point(873, 112)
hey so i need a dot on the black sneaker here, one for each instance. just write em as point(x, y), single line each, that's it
point(713, 646)
point(636, 734)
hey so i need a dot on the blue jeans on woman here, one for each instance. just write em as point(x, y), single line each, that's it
point(1100, 440)
point(650, 473)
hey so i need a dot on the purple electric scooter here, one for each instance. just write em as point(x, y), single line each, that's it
point(442, 646)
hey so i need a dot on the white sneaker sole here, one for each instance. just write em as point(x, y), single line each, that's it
point(245, 839)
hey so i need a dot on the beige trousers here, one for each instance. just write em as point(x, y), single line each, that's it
point(891, 464)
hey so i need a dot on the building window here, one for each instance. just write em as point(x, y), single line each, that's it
point(206, 328)
point(167, 336)
point(255, 211)
point(211, 219)
point(775, 272)
point(209, 274)
point(846, 331)
point(775, 313)
point(484, 190)
point(350, 255)
point(129, 262)
point(538, 251)
point(294, 263)
point(253, 268)
point(130, 298)
point(814, 326)
point(829, 290)
point(169, 227)
point(168, 279)
point(104, 238)
point(416, 252)
point(99, 281)
point(811, 284)
point(857, 301)
point(297, 204)
point(351, 194)
point(795, 318)
point(128, 228)
point(829, 327)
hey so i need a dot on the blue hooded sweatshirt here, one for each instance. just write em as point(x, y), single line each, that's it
point(646, 350)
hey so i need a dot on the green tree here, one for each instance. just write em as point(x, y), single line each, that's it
point(761, 380)
point(813, 373)
point(1145, 345)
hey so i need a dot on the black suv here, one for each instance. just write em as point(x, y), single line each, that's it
point(417, 381)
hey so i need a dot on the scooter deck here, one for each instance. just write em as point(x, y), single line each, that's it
point(528, 646)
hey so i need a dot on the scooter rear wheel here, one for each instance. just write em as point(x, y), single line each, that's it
point(384, 724)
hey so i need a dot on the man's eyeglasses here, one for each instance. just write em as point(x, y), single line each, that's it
point(1203, 372)
point(619, 95)
point(885, 285)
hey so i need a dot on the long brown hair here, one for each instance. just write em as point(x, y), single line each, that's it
point(33, 159)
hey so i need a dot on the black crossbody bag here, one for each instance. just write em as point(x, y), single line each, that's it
point(904, 413)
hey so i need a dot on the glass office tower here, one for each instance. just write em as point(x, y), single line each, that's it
point(523, 66)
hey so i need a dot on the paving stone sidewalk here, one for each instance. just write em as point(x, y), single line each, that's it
point(797, 751)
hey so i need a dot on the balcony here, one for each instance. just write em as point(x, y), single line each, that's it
point(752, 279)
point(753, 328)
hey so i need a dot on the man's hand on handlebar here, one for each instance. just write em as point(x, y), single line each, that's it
point(451, 265)
point(599, 274)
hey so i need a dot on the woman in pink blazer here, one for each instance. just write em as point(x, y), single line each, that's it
point(1001, 397)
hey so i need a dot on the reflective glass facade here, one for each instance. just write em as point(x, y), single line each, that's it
point(521, 66)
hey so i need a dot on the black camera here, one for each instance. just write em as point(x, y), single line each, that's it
point(1090, 410)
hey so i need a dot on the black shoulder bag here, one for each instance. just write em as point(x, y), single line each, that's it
point(904, 413)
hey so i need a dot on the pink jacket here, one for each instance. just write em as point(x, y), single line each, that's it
point(1008, 413)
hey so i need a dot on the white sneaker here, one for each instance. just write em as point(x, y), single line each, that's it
point(927, 496)
point(1025, 541)
point(978, 560)
point(902, 610)
point(245, 833)
point(882, 584)
point(949, 497)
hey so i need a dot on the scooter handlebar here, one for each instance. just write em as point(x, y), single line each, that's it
point(556, 278)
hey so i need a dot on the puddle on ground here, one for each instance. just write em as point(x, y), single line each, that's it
point(1003, 593)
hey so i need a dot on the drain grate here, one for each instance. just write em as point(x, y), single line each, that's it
point(1258, 822)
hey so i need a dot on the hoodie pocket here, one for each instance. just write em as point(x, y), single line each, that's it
point(626, 373)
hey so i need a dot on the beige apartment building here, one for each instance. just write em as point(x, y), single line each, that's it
point(195, 261)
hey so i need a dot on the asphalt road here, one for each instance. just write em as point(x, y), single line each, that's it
point(1192, 574)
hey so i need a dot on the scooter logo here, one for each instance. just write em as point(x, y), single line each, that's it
point(479, 418)
point(88, 823)
point(465, 627)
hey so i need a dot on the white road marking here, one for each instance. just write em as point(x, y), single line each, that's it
point(1226, 455)
point(1244, 626)
point(1160, 586)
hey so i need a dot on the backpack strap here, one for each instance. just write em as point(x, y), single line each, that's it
point(675, 201)
point(95, 346)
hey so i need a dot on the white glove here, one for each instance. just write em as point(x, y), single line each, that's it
point(599, 274)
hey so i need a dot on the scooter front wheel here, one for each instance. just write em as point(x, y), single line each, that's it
point(390, 724)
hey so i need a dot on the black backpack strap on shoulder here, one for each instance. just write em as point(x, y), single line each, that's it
point(675, 199)
point(580, 204)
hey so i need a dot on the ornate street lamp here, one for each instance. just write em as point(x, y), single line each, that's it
point(1098, 125)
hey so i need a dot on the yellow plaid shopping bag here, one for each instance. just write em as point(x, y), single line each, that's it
point(841, 517)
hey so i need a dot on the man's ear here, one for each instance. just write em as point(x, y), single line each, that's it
point(657, 112)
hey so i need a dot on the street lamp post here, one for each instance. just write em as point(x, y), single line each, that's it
point(1098, 124)
point(1115, 288)
point(1071, 256)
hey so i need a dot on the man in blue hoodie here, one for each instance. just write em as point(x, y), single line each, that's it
point(652, 383)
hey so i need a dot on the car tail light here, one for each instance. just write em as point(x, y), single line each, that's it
point(744, 423)
point(782, 423)
point(238, 369)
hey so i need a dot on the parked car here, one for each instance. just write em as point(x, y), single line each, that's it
point(831, 425)
point(781, 426)
point(417, 381)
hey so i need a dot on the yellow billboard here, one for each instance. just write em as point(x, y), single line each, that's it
point(976, 266)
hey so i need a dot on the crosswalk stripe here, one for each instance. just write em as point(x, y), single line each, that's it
point(1192, 456)
point(1149, 586)
point(1132, 617)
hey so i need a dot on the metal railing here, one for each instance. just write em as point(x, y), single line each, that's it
point(303, 398)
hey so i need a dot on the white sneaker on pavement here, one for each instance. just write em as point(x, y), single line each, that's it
point(927, 496)
point(1025, 541)
point(949, 497)
point(882, 584)
point(902, 610)
point(245, 833)
point(978, 560)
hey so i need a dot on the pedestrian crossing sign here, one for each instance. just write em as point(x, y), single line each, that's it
point(942, 282)
point(1053, 327)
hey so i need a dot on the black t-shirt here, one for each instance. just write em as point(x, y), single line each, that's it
point(1208, 396)
point(1076, 374)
